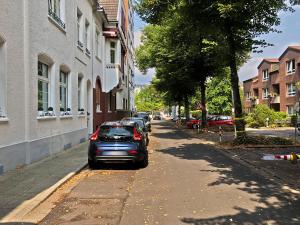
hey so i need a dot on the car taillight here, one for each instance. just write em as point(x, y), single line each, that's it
point(136, 135)
point(132, 152)
point(94, 136)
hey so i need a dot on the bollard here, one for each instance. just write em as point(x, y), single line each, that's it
point(220, 133)
point(1, 169)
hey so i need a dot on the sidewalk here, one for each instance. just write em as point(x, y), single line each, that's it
point(22, 185)
point(282, 171)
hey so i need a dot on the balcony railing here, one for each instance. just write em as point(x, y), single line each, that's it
point(56, 18)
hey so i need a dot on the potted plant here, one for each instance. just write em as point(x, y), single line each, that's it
point(50, 111)
point(40, 111)
point(62, 111)
point(68, 111)
point(81, 111)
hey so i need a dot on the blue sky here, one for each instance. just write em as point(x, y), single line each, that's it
point(290, 27)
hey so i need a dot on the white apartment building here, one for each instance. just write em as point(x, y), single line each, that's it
point(52, 52)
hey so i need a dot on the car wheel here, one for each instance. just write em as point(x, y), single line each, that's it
point(144, 163)
point(92, 164)
point(195, 126)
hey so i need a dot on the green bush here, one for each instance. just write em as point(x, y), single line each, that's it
point(259, 116)
point(293, 120)
point(196, 113)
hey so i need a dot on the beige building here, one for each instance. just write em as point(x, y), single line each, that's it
point(51, 55)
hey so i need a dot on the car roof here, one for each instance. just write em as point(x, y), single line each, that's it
point(118, 123)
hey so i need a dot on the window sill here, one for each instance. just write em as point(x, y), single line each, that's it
point(88, 54)
point(291, 73)
point(56, 24)
point(46, 118)
point(291, 95)
point(66, 117)
point(4, 120)
point(80, 48)
point(81, 116)
point(98, 59)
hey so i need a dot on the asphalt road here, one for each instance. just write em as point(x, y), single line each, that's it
point(186, 182)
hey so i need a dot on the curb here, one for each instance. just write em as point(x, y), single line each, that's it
point(27, 206)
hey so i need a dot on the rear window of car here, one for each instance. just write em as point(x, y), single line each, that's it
point(110, 131)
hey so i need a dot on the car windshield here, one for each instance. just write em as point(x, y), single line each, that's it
point(112, 131)
point(139, 121)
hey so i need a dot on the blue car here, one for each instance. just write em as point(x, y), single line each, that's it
point(119, 141)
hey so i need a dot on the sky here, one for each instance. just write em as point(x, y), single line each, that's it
point(290, 35)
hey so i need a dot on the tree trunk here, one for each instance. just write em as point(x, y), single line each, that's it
point(179, 111)
point(187, 108)
point(234, 79)
point(203, 105)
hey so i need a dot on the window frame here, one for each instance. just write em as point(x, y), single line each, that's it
point(44, 80)
point(291, 89)
point(113, 52)
point(87, 36)
point(3, 79)
point(290, 66)
point(64, 85)
point(288, 107)
point(264, 93)
point(79, 28)
point(265, 75)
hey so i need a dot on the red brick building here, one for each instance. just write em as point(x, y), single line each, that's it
point(275, 84)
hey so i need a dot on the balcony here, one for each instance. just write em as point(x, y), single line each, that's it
point(275, 99)
point(113, 78)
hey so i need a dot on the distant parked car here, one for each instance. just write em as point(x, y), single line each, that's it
point(211, 121)
point(141, 124)
point(117, 142)
point(157, 116)
point(146, 117)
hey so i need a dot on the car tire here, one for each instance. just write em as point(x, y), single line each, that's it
point(92, 164)
point(144, 163)
point(195, 126)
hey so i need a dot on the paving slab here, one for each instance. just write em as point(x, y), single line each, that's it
point(19, 187)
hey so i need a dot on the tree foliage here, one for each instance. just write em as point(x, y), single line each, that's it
point(148, 99)
point(218, 94)
point(191, 40)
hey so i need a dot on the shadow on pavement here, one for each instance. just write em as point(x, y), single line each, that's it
point(116, 166)
point(17, 223)
point(284, 210)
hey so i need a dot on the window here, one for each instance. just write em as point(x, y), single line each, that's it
point(248, 95)
point(265, 74)
point(56, 11)
point(112, 52)
point(291, 89)
point(2, 78)
point(79, 16)
point(98, 96)
point(63, 91)
point(86, 37)
point(80, 105)
point(290, 110)
point(265, 93)
point(290, 66)
point(97, 43)
point(43, 87)
point(110, 100)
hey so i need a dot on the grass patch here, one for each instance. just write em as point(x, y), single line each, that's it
point(261, 140)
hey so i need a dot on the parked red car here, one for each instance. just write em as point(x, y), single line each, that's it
point(212, 121)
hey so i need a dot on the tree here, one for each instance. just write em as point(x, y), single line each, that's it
point(235, 26)
point(218, 94)
point(148, 99)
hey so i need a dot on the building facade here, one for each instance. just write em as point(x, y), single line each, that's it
point(53, 60)
point(275, 84)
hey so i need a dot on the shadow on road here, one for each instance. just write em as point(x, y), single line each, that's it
point(280, 207)
point(116, 166)
point(17, 223)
